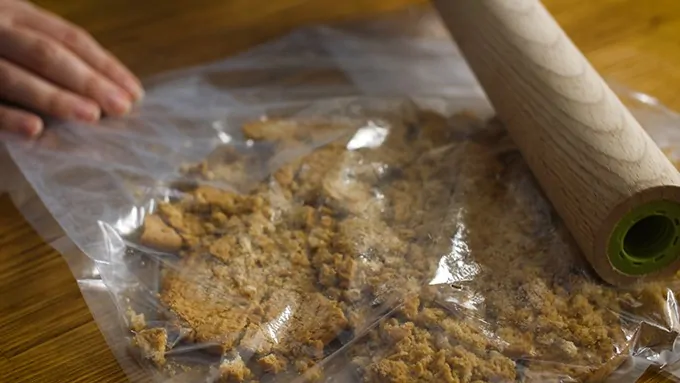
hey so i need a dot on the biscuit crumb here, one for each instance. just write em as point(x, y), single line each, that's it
point(234, 370)
point(152, 343)
point(272, 364)
point(137, 321)
point(157, 235)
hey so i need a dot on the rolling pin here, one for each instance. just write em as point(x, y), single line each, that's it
point(615, 190)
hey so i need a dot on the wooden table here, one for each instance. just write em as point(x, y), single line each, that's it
point(46, 331)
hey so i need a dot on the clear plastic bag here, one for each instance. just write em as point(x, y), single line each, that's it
point(339, 205)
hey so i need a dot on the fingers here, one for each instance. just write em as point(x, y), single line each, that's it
point(57, 64)
point(52, 67)
point(60, 66)
point(22, 87)
point(82, 45)
point(18, 121)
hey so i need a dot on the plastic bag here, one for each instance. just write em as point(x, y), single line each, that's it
point(335, 205)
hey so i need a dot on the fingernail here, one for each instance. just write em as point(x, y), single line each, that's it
point(31, 126)
point(118, 103)
point(87, 112)
point(135, 89)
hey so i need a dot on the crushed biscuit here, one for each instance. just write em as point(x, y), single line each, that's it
point(137, 320)
point(272, 364)
point(152, 343)
point(156, 234)
point(434, 252)
point(234, 370)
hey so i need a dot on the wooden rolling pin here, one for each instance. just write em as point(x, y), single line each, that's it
point(615, 190)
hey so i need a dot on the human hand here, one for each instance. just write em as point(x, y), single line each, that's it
point(51, 67)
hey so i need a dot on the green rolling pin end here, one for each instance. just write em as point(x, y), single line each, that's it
point(647, 239)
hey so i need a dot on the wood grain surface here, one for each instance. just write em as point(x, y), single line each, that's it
point(592, 158)
point(46, 331)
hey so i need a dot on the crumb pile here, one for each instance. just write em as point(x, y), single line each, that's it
point(428, 245)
